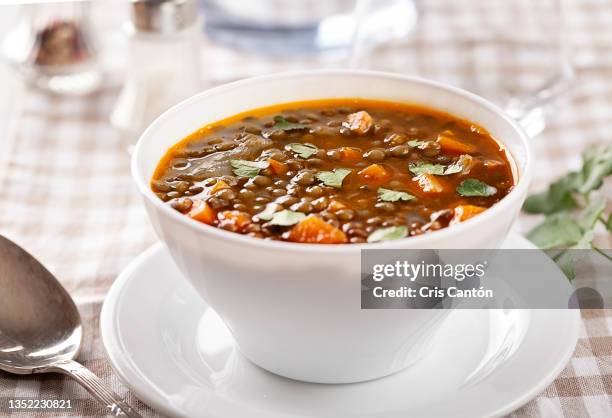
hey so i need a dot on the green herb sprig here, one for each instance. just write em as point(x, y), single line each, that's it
point(388, 195)
point(572, 210)
point(388, 234)
point(284, 125)
point(245, 168)
point(333, 178)
point(303, 150)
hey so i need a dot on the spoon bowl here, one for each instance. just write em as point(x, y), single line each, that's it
point(40, 326)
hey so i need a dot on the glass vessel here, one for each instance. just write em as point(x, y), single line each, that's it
point(288, 28)
point(511, 52)
point(51, 46)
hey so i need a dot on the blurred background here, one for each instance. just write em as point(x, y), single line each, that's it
point(519, 54)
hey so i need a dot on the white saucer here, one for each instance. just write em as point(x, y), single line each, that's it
point(175, 354)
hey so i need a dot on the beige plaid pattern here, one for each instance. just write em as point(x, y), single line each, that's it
point(66, 195)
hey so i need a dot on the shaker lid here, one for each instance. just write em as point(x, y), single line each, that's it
point(163, 16)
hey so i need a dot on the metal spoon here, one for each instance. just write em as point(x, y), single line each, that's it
point(40, 326)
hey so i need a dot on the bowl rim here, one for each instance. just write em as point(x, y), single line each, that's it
point(419, 241)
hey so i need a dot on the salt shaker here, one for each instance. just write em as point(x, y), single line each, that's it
point(164, 61)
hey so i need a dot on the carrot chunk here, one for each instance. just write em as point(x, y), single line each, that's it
point(449, 143)
point(234, 220)
point(429, 183)
point(464, 212)
point(280, 169)
point(202, 212)
point(315, 230)
point(359, 122)
point(219, 185)
point(375, 174)
point(350, 155)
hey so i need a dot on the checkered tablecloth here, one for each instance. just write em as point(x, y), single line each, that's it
point(66, 195)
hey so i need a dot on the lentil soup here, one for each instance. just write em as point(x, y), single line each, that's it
point(335, 171)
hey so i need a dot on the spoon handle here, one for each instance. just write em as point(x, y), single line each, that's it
point(116, 406)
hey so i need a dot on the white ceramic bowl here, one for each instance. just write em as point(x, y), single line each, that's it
point(294, 309)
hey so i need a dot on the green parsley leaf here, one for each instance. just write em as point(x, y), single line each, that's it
point(473, 187)
point(284, 125)
point(268, 212)
point(427, 168)
point(597, 164)
point(558, 230)
point(557, 198)
point(456, 167)
point(561, 229)
point(591, 213)
point(303, 150)
point(585, 242)
point(244, 168)
point(333, 178)
point(286, 218)
point(453, 169)
point(388, 195)
point(415, 143)
point(565, 261)
point(388, 234)
point(439, 169)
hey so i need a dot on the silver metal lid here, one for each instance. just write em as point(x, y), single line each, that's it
point(163, 16)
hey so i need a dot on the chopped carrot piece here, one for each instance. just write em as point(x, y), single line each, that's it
point(449, 143)
point(375, 174)
point(465, 212)
point(359, 122)
point(202, 212)
point(234, 220)
point(336, 205)
point(277, 167)
point(313, 229)
point(219, 185)
point(350, 154)
point(429, 183)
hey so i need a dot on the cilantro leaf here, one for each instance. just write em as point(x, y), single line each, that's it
point(303, 150)
point(439, 169)
point(565, 261)
point(591, 213)
point(427, 168)
point(286, 218)
point(268, 212)
point(557, 198)
point(453, 169)
point(388, 195)
point(597, 164)
point(244, 168)
point(558, 230)
point(284, 125)
point(464, 162)
point(388, 234)
point(333, 178)
point(473, 187)
point(415, 143)
point(561, 229)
